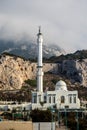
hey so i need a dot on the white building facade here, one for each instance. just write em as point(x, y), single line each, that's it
point(61, 97)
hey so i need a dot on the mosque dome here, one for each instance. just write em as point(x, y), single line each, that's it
point(61, 85)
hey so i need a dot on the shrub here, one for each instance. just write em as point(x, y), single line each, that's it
point(40, 115)
point(31, 82)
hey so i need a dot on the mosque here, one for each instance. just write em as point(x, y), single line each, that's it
point(61, 97)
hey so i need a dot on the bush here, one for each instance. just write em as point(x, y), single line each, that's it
point(31, 82)
point(40, 115)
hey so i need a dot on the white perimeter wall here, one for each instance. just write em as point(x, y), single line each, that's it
point(44, 126)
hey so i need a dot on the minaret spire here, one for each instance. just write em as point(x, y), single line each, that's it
point(39, 29)
point(39, 33)
point(39, 62)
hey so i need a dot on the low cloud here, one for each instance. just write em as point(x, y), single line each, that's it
point(63, 22)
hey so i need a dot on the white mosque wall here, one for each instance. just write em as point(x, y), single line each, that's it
point(44, 126)
point(54, 98)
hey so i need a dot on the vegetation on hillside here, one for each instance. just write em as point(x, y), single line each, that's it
point(31, 82)
point(50, 80)
point(13, 55)
point(24, 94)
point(78, 55)
point(40, 115)
point(81, 54)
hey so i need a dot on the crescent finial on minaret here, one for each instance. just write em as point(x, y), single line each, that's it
point(39, 31)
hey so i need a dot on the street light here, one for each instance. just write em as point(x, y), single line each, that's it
point(59, 117)
point(66, 119)
point(53, 111)
point(77, 119)
point(59, 105)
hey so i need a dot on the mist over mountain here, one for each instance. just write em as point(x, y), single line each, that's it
point(28, 49)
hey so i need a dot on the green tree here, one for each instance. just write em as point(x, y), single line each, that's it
point(41, 115)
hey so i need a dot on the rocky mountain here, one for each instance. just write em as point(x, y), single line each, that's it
point(28, 49)
point(75, 70)
point(78, 55)
point(15, 70)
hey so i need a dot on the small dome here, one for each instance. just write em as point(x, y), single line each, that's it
point(61, 85)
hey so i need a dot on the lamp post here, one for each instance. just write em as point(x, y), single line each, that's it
point(66, 119)
point(77, 119)
point(52, 111)
point(59, 105)
point(59, 117)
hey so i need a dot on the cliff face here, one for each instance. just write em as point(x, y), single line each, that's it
point(76, 70)
point(14, 71)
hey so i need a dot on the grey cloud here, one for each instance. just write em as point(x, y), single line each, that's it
point(63, 22)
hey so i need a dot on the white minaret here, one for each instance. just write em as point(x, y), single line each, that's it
point(39, 62)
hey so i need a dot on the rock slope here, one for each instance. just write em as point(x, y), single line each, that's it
point(14, 71)
point(76, 70)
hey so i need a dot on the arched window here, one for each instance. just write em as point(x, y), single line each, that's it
point(45, 99)
point(35, 99)
point(53, 99)
point(49, 99)
point(62, 99)
point(70, 99)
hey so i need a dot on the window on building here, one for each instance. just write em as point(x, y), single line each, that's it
point(39, 98)
point(74, 98)
point(70, 99)
point(66, 106)
point(44, 99)
point(35, 99)
point(49, 99)
point(62, 99)
point(53, 99)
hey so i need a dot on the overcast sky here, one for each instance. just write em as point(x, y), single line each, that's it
point(63, 22)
